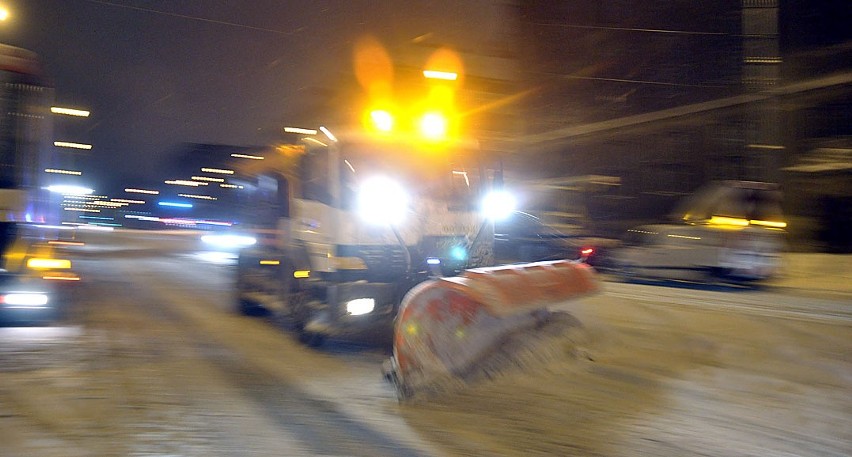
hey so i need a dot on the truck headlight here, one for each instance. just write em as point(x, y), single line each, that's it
point(382, 200)
point(360, 306)
point(498, 205)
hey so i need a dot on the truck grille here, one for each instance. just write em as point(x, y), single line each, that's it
point(383, 261)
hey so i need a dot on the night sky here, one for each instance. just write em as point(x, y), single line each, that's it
point(156, 73)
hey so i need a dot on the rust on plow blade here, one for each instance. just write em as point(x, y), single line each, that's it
point(446, 326)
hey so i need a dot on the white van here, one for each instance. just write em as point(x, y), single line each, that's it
point(732, 230)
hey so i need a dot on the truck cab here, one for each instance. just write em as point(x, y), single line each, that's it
point(347, 227)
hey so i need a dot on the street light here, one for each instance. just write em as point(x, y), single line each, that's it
point(4, 13)
point(68, 111)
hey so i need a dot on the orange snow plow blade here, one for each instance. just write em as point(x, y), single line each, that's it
point(445, 326)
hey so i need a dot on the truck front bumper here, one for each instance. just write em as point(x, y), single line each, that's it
point(356, 307)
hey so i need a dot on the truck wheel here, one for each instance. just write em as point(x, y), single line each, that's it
point(307, 337)
point(247, 307)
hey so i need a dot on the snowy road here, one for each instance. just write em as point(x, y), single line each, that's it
point(155, 362)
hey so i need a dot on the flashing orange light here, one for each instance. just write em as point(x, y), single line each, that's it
point(382, 120)
point(433, 126)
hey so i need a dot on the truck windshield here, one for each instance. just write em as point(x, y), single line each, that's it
point(444, 176)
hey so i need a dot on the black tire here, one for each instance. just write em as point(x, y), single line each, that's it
point(251, 309)
point(246, 307)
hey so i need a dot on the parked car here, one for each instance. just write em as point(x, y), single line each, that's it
point(523, 237)
point(36, 280)
point(732, 230)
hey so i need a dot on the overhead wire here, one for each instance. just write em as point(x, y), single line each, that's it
point(194, 18)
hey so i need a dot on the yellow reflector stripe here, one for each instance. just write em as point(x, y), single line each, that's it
point(61, 277)
point(67, 243)
point(773, 224)
point(270, 262)
point(44, 264)
point(302, 274)
point(722, 220)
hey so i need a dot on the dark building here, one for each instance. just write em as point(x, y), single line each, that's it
point(659, 98)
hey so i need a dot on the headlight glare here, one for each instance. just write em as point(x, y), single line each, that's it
point(382, 201)
point(24, 299)
point(360, 306)
point(228, 241)
point(40, 263)
point(498, 205)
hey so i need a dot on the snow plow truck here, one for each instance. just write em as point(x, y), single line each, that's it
point(390, 226)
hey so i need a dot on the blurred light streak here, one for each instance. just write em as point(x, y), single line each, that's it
point(63, 172)
point(68, 144)
point(207, 178)
point(247, 156)
point(175, 204)
point(95, 228)
point(66, 243)
point(184, 182)
point(200, 197)
point(315, 141)
point(328, 134)
point(772, 224)
point(444, 75)
point(70, 190)
point(224, 258)
point(218, 170)
point(61, 277)
point(69, 111)
point(142, 191)
point(300, 131)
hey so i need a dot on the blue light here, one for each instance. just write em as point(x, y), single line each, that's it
point(176, 204)
point(458, 253)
